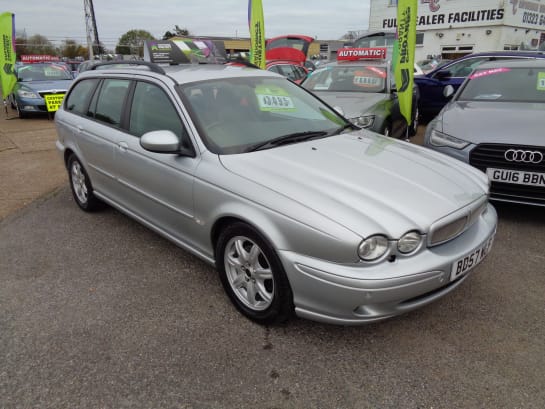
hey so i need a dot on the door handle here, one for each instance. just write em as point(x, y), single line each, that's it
point(80, 128)
point(123, 146)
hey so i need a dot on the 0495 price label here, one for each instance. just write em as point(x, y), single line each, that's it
point(275, 102)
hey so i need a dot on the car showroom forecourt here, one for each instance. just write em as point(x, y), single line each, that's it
point(298, 208)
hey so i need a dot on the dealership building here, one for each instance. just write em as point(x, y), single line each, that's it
point(452, 28)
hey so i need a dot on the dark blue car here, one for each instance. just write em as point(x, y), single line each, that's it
point(431, 85)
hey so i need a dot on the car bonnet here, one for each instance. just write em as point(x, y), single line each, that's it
point(58, 85)
point(353, 104)
point(363, 181)
point(495, 122)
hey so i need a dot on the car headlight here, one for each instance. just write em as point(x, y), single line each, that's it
point(364, 121)
point(373, 248)
point(409, 242)
point(26, 93)
point(442, 139)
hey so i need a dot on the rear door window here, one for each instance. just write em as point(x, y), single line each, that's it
point(78, 100)
point(111, 101)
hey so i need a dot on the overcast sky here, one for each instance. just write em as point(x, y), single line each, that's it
point(61, 19)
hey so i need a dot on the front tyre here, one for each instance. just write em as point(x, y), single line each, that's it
point(20, 113)
point(81, 186)
point(413, 128)
point(252, 275)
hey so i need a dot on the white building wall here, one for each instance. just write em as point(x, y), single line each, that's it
point(458, 26)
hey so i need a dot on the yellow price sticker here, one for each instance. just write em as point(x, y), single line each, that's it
point(53, 101)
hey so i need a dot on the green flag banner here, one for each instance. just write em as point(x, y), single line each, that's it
point(256, 23)
point(404, 55)
point(7, 53)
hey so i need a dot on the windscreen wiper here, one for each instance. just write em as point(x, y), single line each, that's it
point(289, 138)
point(346, 126)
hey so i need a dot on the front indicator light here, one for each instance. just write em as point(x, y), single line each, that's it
point(364, 121)
point(409, 242)
point(373, 248)
point(442, 139)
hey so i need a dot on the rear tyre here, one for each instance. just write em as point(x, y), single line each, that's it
point(81, 187)
point(252, 275)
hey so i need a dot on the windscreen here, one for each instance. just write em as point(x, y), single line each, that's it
point(348, 79)
point(234, 115)
point(520, 84)
point(42, 72)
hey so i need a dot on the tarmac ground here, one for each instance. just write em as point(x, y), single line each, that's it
point(96, 311)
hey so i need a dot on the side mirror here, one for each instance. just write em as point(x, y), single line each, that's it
point(443, 74)
point(163, 142)
point(448, 91)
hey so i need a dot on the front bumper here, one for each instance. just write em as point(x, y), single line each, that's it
point(358, 294)
point(31, 105)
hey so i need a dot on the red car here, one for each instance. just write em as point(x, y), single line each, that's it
point(287, 54)
point(290, 69)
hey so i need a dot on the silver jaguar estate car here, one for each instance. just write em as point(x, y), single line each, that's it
point(299, 210)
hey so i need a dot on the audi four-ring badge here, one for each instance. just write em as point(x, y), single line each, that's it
point(300, 211)
point(522, 156)
point(496, 123)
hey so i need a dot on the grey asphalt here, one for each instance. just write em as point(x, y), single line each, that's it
point(96, 311)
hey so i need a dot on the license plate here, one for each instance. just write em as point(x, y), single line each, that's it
point(466, 263)
point(518, 177)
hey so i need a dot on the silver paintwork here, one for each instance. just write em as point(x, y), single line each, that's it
point(313, 201)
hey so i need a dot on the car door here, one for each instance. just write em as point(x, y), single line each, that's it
point(431, 85)
point(96, 127)
point(156, 187)
point(397, 121)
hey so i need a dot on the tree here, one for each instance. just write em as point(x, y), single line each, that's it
point(132, 42)
point(178, 32)
point(36, 44)
point(71, 49)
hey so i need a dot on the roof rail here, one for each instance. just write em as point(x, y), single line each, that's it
point(152, 67)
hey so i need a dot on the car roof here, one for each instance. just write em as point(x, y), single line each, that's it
point(525, 63)
point(358, 63)
point(186, 73)
point(504, 53)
